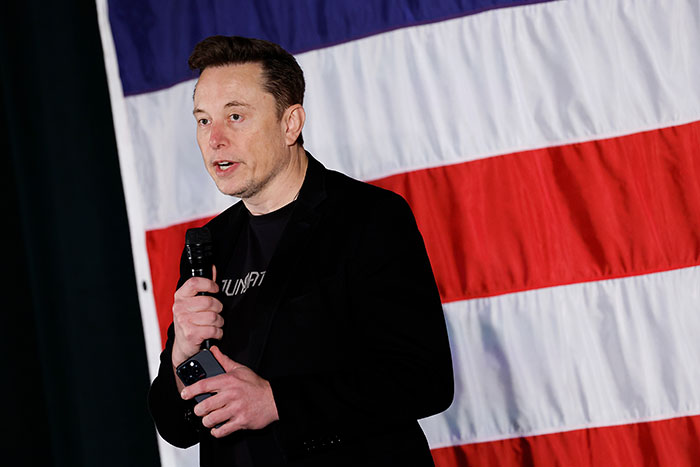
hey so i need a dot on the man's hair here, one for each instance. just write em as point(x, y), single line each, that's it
point(282, 74)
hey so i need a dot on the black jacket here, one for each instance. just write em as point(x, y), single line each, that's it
point(351, 334)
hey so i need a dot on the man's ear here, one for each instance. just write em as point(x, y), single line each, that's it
point(293, 119)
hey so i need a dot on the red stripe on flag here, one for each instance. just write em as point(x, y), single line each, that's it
point(597, 210)
point(164, 250)
point(674, 442)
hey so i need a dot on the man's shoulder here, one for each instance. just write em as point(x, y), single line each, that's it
point(225, 218)
point(358, 192)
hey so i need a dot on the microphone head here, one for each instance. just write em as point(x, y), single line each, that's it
point(199, 251)
point(197, 236)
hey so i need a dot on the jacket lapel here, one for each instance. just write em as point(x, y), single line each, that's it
point(289, 252)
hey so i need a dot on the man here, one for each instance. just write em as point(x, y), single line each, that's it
point(327, 316)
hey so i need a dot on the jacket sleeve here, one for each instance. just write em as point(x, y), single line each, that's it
point(172, 415)
point(399, 368)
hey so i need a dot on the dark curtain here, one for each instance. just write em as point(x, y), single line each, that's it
point(74, 371)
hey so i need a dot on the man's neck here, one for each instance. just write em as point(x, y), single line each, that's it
point(283, 189)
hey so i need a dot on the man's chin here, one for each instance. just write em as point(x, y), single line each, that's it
point(237, 192)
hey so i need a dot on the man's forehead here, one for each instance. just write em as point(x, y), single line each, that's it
point(238, 81)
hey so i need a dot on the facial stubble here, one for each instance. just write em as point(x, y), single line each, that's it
point(253, 187)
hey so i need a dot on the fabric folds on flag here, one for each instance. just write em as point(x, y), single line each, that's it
point(550, 151)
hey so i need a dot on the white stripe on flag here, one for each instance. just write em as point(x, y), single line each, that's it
point(502, 81)
point(578, 356)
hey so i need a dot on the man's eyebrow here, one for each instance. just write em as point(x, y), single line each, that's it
point(228, 105)
point(236, 104)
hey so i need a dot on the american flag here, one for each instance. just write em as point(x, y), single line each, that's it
point(550, 151)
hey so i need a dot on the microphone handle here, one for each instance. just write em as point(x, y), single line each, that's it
point(203, 272)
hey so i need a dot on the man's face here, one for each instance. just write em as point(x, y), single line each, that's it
point(238, 131)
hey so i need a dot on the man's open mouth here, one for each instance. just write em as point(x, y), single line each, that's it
point(223, 165)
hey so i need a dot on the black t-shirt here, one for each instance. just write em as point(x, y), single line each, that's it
point(239, 285)
point(243, 277)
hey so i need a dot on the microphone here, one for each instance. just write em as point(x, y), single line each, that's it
point(199, 250)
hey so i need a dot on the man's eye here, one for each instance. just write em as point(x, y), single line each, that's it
point(203, 121)
point(235, 117)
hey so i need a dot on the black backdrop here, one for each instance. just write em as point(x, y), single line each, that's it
point(74, 371)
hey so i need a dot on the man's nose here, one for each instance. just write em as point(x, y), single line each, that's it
point(217, 136)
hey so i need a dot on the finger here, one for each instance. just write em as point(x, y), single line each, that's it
point(194, 389)
point(195, 285)
point(202, 333)
point(194, 333)
point(226, 429)
point(203, 303)
point(209, 385)
point(216, 417)
point(207, 318)
point(213, 272)
point(224, 361)
point(209, 405)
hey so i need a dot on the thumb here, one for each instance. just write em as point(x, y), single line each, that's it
point(227, 363)
point(213, 272)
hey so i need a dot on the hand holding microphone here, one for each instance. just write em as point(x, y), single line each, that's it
point(244, 400)
point(196, 314)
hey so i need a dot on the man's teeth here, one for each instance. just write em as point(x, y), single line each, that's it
point(224, 164)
